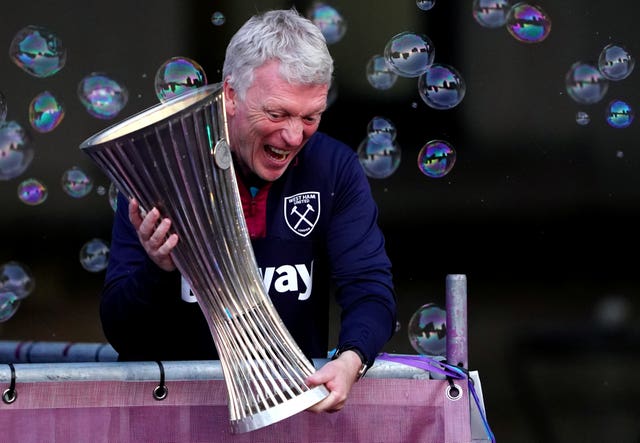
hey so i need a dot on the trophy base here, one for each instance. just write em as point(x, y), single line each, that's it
point(280, 411)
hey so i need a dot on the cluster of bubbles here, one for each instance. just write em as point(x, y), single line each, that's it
point(587, 83)
point(527, 23)
point(440, 86)
point(16, 283)
point(380, 155)
point(40, 53)
point(427, 330)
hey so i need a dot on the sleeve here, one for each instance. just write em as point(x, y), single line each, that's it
point(139, 305)
point(361, 268)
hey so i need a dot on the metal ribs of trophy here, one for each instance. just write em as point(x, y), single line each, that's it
point(175, 156)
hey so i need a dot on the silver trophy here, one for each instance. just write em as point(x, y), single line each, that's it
point(175, 156)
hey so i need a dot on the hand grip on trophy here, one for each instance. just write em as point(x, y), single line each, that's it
point(154, 235)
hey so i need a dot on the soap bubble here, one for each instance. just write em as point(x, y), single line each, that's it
point(528, 23)
point(425, 5)
point(76, 183)
point(585, 83)
point(218, 18)
point(329, 21)
point(436, 158)
point(32, 192)
point(16, 150)
point(441, 86)
point(94, 255)
point(9, 304)
point(176, 76)
point(381, 130)
point(379, 159)
point(17, 278)
point(491, 13)
point(615, 62)
point(582, 118)
point(379, 74)
point(619, 114)
point(37, 51)
point(428, 331)
point(409, 54)
point(45, 112)
point(113, 196)
point(102, 96)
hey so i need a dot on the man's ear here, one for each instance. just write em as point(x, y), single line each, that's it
point(230, 97)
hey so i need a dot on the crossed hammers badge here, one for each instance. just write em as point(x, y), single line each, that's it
point(301, 212)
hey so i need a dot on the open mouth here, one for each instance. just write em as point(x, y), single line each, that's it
point(275, 153)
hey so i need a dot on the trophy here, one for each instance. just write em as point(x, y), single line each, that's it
point(175, 156)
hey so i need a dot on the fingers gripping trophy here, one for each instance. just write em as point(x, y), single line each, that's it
point(175, 156)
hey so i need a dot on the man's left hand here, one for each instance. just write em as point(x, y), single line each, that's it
point(338, 376)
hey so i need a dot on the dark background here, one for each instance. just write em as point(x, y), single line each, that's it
point(539, 213)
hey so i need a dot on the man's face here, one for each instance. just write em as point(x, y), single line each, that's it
point(273, 123)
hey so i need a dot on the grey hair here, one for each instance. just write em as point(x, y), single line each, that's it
point(283, 35)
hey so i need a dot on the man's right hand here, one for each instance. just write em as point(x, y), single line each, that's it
point(153, 235)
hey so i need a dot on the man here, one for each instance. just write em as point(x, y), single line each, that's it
point(276, 77)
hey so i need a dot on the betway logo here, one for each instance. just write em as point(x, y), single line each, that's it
point(287, 278)
point(283, 279)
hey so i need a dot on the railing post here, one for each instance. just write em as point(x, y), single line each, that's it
point(456, 317)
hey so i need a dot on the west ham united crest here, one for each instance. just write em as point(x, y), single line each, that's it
point(301, 212)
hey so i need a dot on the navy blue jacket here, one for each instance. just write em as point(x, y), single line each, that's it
point(314, 232)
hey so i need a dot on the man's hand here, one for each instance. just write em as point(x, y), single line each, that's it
point(338, 376)
point(153, 235)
